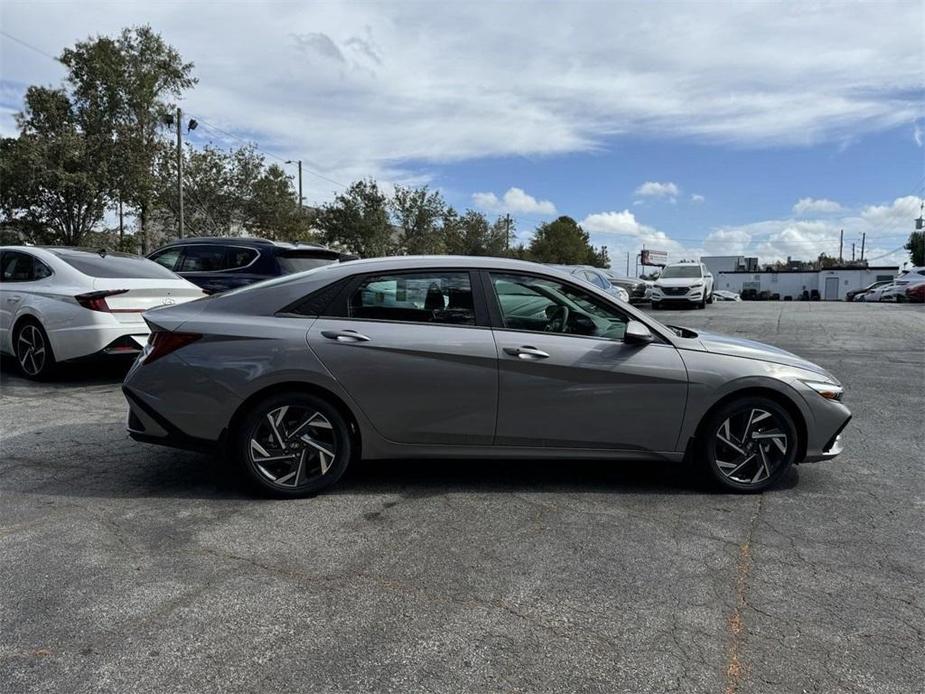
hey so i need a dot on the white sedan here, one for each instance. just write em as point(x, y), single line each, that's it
point(60, 304)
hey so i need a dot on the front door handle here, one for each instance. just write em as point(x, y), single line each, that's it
point(344, 335)
point(526, 352)
point(13, 299)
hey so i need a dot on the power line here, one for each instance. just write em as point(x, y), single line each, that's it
point(30, 47)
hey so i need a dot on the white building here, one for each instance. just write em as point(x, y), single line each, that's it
point(832, 284)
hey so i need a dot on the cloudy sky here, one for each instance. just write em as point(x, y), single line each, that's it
point(710, 127)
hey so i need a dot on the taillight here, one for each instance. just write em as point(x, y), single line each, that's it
point(96, 301)
point(161, 343)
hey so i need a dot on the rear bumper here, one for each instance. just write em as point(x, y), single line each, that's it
point(145, 424)
point(90, 340)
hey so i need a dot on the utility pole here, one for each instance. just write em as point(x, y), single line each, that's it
point(627, 263)
point(841, 243)
point(299, 162)
point(852, 251)
point(863, 240)
point(180, 170)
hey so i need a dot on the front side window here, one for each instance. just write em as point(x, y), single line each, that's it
point(540, 304)
point(204, 258)
point(425, 297)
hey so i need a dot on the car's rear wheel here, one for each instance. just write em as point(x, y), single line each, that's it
point(749, 443)
point(33, 350)
point(293, 445)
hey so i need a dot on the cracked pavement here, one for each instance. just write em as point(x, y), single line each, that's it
point(132, 568)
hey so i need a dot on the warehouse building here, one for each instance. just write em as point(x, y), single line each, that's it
point(830, 284)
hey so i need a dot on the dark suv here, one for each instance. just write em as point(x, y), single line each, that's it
point(217, 264)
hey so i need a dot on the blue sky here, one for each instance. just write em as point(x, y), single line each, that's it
point(719, 128)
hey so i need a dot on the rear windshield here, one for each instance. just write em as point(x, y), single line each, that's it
point(686, 271)
point(293, 262)
point(111, 264)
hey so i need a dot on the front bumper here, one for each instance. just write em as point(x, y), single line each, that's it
point(833, 446)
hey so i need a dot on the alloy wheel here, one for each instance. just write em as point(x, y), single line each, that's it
point(293, 446)
point(750, 446)
point(31, 350)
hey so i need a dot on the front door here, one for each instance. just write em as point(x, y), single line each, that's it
point(410, 351)
point(831, 288)
point(567, 378)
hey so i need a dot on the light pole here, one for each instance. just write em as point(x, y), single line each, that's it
point(190, 126)
point(299, 162)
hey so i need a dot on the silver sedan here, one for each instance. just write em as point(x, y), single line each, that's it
point(461, 357)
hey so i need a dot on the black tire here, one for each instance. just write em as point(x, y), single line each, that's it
point(34, 355)
point(702, 304)
point(764, 462)
point(314, 471)
point(710, 298)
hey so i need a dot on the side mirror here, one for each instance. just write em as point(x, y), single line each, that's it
point(637, 333)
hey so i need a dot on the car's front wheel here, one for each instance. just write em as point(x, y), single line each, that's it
point(293, 445)
point(748, 444)
point(33, 350)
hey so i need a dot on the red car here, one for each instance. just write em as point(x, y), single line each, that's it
point(916, 293)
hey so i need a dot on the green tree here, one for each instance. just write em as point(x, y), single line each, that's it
point(273, 211)
point(358, 221)
point(417, 213)
point(562, 241)
point(127, 83)
point(53, 186)
point(916, 246)
point(472, 234)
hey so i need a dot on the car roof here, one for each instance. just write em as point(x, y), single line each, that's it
point(244, 241)
point(409, 262)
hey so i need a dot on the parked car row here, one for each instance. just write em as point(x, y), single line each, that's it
point(63, 304)
point(909, 286)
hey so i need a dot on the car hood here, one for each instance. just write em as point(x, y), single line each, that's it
point(750, 349)
point(678, 282)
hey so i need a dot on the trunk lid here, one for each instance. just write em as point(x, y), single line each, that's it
point(144, 294)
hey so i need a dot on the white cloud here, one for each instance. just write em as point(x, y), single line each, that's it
point(370, 87)
point(918, 134)
point(654, 189)
point(516, 201)
point(806, 206)
point(697, 198)
point(886, 227)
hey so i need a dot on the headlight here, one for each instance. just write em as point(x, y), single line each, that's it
point(829, 391)
point(696, 284)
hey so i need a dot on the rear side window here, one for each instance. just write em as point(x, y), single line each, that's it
point(203, 258)
point(295, 262)
point(22, 267)
point(239, 256)
point(426, 297)
point(120, 265)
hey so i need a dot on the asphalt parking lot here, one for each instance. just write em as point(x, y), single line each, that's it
point(131, 568)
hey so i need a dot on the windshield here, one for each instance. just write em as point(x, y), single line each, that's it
point(681, 271)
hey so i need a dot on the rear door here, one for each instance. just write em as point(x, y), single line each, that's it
point(567, 379)
point(415, 352)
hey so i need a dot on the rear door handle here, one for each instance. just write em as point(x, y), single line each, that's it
point(13, 299)
point(526, 352)
point(344, 335)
